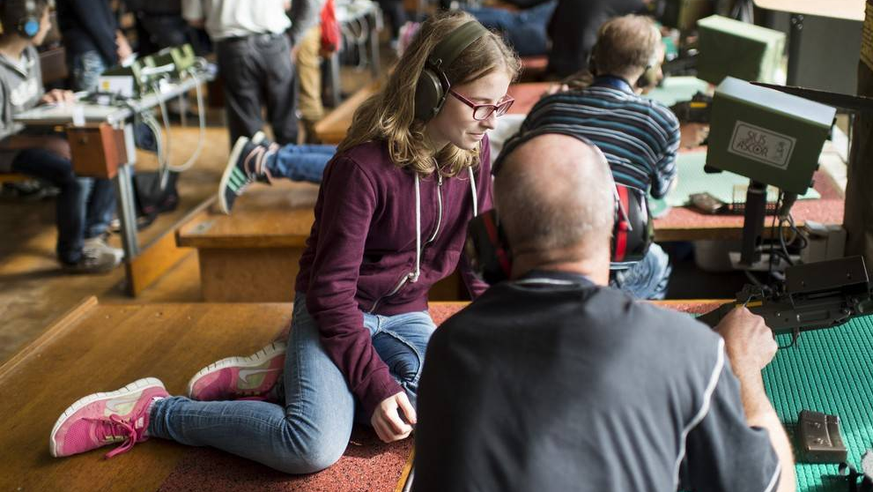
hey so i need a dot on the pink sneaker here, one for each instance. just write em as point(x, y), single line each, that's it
point(233, 378)
point(105, 418)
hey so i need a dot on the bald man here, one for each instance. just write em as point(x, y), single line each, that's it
point(554, 381)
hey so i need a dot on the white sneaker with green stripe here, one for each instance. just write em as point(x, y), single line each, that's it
point(245, 165)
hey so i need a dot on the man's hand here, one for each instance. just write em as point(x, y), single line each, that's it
point(122, 49)
point(693, 134)
point(749, 343)
point(387, 421)
point(58, 96)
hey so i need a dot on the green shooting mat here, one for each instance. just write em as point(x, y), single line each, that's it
point(829, 371)
point(692, 180)
point(677, 89)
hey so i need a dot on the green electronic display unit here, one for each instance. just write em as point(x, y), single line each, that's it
point(180, 57)
point(766, 135)
point(737, 49)
point(684, 14)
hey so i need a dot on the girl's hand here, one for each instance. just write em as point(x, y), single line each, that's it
point(388, 418)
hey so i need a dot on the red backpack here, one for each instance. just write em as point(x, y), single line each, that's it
point(330, 31)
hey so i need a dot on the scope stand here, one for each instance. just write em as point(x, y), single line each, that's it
point(753, 223)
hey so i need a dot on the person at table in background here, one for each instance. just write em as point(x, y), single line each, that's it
point(573, 30)
point(84, 205)
point(639, 137)
point(92, 39)
point(253, 43)
point(390, 221)
point(524, 28)
point(553, 381)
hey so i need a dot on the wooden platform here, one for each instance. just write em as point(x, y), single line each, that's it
point(97, 347)
point(253, 255)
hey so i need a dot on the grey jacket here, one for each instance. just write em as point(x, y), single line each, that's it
point(20, 89)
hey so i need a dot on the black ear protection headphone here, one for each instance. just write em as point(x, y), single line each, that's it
point(433, 85)
point(28, 24)
point(490, 254)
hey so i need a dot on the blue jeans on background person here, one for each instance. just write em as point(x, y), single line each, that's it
point(525, 29)
point(300, 162)
point(648, 279)
point(84, 207)
point(85, 68)
point(312, 430)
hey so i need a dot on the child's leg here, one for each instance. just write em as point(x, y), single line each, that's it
point(70, 218)
point(300, 162)
point(309, 434)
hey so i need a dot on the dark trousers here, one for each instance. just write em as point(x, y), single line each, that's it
point(84, 207)
point(257, 72)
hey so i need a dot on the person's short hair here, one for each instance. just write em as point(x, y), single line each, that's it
point(542, 208)
point(12, 12)
point(626, 43)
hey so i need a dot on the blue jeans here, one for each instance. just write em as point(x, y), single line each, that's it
point(311, 431)
point(86, 67)
point(84, 207)
point(525, 30)
point(300, 162)
point(648, 279)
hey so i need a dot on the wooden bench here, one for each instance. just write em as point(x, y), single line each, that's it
point(333, 127)
point(13, 177)
point(253, 255)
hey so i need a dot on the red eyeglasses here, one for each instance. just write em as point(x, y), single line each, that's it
point(482, 112)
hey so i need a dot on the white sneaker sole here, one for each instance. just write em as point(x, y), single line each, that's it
point(258, 137)
point(228, 170)
point(139, 385)
point(271, 351)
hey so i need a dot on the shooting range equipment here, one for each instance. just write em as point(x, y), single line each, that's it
point(770, 137)
point(818, 295)
point(737, 49)
point(820, 438)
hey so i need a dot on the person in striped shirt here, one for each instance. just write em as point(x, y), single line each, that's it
point(638, 136)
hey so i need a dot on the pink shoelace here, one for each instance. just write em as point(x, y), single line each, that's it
point(116, 426)
point(257, 155)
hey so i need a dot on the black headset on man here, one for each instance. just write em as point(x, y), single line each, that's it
point(490, 253)
point(486, 246)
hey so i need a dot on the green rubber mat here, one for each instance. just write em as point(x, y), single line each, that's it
point(829, 371)
point(692, 180)
point(677, 89)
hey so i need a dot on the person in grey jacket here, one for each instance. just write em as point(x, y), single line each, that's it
point(85, 205)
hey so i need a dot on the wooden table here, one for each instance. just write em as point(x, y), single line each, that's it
point(688, 224)
point(104, 148)
point(836, 9)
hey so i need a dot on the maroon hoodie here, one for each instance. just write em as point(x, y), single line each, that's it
point(362, 246)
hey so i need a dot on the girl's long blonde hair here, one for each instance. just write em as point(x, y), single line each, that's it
point(390, 114)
